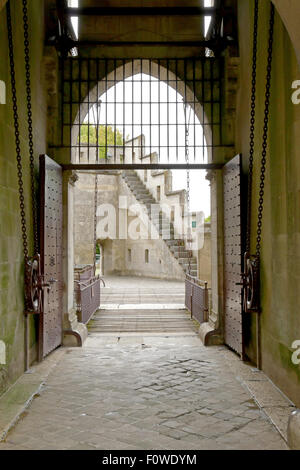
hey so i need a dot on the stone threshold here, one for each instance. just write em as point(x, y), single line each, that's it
point(141, 334)
point(142, 307)
point(275, 405)
point(18, 397)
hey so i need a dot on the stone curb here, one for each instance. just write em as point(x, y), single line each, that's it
point(275, 405)
point(15, 401)
point(293, 432)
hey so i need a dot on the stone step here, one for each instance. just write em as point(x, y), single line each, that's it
point(176, 242)
point(180, 254)
point(141, 192)
point(146, 200)
point(135, 183)
point(167, 229)
point(131, 177)
point(193, 270)
point(192, 273)
point(135, 186)
point(185, 261)
point(180, 249)
point(185, 267)
point(164, 226)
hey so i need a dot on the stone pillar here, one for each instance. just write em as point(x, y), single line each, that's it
point(74, 333)
point(211, 332)
point(293, 432)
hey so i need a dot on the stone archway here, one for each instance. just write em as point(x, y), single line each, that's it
point(289, 11)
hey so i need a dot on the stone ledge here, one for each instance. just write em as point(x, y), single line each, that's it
point(275, 405)
point(15, 401)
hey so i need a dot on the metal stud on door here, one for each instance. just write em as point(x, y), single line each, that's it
point(233, 332)
point(50, 319)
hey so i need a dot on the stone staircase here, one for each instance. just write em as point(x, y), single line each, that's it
point(163, 225)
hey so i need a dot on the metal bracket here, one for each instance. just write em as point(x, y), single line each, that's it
point(251, 284)
point(34, 285)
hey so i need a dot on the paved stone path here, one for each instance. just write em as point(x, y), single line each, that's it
point(144, 393)
point(134, 290)
point(143, 380)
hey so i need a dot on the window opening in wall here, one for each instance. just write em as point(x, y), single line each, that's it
point(146, 256)
point(99, 259)
point(129, 255)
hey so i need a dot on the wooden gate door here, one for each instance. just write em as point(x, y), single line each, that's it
point(233, 310)
point(50, 320)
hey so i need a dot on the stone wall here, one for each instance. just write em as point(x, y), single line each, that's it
point(116, 258)
point(280, 270)
point(11, 253)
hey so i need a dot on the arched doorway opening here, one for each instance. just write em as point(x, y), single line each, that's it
point(142, 112)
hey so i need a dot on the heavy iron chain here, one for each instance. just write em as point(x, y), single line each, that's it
point(30, 129)
point(17, 134)
point(27, 270)
point(188, 181)
point(265, 131)
point(95, 222)
point(252, 127)
point(96, 186)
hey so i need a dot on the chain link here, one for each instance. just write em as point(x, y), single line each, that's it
point(252, 127)
point(97, 120)
point(18, 144)
point(188, 181)
point(30, 129)
point(95, 222)
point(265, 131)
point(17, 131)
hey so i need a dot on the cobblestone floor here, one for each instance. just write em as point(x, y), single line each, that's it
point(143, 380)
point(144, 392)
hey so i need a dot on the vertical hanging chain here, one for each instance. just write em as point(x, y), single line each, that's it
point(188, 181)
point(265, 131)
point(30, 129)
point(95, 221)
point(96, 181)
point(252, 127)
point(17, 133)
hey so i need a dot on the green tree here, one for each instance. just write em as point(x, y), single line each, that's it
point(106, 137)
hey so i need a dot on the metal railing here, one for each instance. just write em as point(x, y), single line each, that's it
point(87, 292)
point(87, 298)
point(196, 298)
